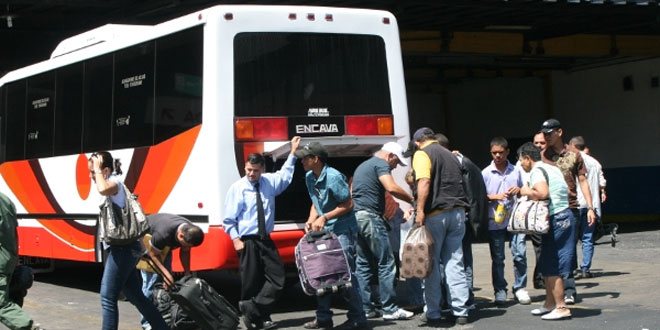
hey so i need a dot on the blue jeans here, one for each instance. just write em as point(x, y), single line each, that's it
point(120, 275)
point(150, 279)
point(558, 247)
point(447, 229)
point(496, 241)
point(355, 313)
point(375, 257)
point(587, 239)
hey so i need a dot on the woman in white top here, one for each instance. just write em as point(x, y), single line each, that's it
point(119, 272)
point(547, 182)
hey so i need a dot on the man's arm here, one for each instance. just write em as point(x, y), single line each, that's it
point(184, 257)
point(285, 174)
point(423, 189)
point(341, 209)
point(233, 207)
point(394, 189)
point(155, 257)
point(584, 186)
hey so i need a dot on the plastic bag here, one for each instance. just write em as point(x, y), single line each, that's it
point(417, 253)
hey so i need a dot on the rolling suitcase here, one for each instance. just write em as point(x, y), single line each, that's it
point(200, 302)
point(322, 265)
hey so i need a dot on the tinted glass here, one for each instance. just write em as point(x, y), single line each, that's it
point(68, 111)
point(293, 74)
point(178, 83)
point(16, 120)
point(39, 115)
point(97, 108)
point(3, 137)
point(133, 114)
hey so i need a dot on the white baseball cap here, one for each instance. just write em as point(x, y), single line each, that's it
point(396, 149)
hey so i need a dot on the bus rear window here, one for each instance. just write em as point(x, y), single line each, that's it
point(310, 74)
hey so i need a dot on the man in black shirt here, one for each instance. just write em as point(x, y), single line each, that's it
point(171, 231)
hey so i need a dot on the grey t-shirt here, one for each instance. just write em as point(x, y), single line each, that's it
point(368, 192)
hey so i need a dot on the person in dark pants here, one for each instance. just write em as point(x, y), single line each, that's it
point(171, 231)
point(249, 218)
point(11, 315)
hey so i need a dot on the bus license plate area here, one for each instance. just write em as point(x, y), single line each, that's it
point(316, 126)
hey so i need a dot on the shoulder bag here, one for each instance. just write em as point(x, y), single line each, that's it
point(125, 225)
point(530, 216)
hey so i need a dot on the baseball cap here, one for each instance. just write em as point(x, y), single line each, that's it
point(422, 132)
point(313, 149)
point(550, 125)
point(396, 149)
point(412, 147)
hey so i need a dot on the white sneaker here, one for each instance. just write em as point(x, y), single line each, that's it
point(400, 314)
point(569, 300)
point(523, 297)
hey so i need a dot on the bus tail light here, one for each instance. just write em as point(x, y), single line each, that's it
point(369, 125)
point(261, 129)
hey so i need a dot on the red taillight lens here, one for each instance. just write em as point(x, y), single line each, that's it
point(261, 129)
point(369, 125)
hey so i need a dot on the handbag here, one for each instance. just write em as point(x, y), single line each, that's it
point(125, 225)
point(530, 216)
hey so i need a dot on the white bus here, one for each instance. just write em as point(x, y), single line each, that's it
point(182, 104)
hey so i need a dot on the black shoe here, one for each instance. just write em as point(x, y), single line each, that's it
point(352, 325)
point(315, 324)
point(250, 319)
point(431, 322)
point(268, 325)
point(586, 274)
point(461, 320)
point(539, 285)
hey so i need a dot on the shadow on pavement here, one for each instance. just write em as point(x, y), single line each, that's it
point(579, 313)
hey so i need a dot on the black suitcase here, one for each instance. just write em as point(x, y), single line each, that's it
point(202, 303)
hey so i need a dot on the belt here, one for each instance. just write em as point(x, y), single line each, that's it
point(436, 212)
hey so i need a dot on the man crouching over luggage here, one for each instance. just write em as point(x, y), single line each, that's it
point(332, 209)
point(168, 232)
point(249, 219)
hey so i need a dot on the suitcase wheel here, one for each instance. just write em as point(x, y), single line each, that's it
point(335, 289)
point(320, 292)
point(349, 285)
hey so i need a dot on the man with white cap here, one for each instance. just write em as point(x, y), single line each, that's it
point(374, 253)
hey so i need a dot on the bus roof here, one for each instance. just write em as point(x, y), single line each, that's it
point(111, 37)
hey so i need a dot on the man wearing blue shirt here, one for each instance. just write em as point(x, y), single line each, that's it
point(249, 218)
point(503, 182)
point(332, 209)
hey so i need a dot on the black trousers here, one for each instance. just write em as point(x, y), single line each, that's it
point(262, 273)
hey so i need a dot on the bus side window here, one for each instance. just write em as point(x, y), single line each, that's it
point(16, 94)
point(132, 121)
point(179, 61)
point(3, 142)
point(97, 108)
point(39, 115)
point(68, 110)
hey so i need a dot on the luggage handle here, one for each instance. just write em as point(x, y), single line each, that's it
point(147, 258)
point(313, 236)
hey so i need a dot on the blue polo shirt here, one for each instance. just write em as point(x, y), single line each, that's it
point(327, 192)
